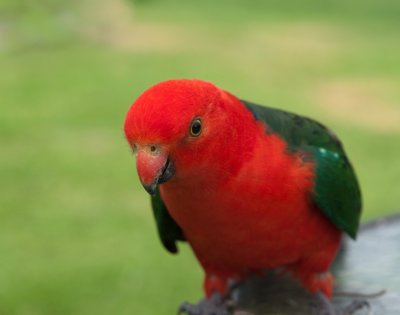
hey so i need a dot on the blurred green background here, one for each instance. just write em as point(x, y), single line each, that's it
point(77, 235)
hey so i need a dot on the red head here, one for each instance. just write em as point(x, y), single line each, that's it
point(177, 126)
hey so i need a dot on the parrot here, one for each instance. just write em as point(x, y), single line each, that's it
point(249, 187)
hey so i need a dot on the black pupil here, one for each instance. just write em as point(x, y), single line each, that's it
point(196, 127)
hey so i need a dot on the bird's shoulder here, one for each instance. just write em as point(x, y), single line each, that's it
point(295, 129)
point(336, 190)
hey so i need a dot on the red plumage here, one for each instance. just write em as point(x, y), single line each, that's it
point(242, 200)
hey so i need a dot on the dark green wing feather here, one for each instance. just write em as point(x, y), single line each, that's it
point(336, 190)
point(168, 230)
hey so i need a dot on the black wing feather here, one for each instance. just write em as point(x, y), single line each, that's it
point(168, 230)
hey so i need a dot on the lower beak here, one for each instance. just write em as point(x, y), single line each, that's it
point(153, 169)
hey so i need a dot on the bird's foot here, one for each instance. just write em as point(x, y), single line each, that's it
point(323, 306)
point(355, 306)
point(326, 307)
point(215, 305)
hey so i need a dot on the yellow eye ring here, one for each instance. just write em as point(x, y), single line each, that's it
point(195, 127)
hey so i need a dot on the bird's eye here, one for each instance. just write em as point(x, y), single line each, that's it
point(195, 127)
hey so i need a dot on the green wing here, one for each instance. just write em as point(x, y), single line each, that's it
point(336, 191)
point(168, 230)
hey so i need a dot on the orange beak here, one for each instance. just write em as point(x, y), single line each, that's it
point(153, 167)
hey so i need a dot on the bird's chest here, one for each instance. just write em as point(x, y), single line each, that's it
point(249, 225)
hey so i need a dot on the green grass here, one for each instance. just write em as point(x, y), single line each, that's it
point(77, 234)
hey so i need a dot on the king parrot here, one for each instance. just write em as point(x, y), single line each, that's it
point(249, 187)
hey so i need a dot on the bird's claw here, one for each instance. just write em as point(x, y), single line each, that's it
point(355, 306)
point(191, 309)
point(325, 307)
point(213, 306)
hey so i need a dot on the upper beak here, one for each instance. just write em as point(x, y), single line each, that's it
point(154, 167)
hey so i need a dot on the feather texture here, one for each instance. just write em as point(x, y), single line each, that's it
point(258, 188)
point(336, 191)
